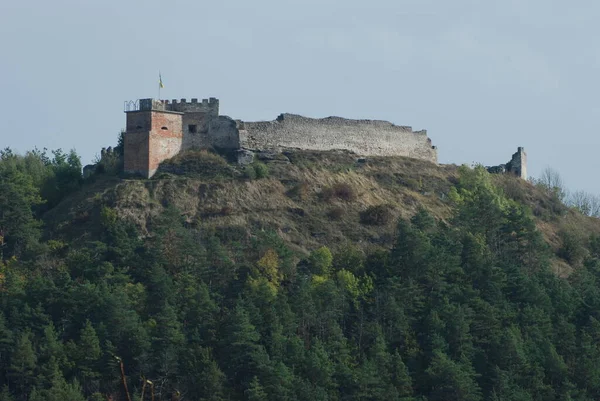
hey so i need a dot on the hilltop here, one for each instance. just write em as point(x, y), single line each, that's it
point(308, 198)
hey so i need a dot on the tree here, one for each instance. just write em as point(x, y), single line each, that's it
point(18, 196)
point(586, 203)
point(88, 356)
point(320, 261)
point(255, 391)
point(5, 394)
point(59, 391)
point(451, 381)
point(22, 364)
point(244, 357)
point(553, 183)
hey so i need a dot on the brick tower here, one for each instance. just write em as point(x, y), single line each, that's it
point(152, 134)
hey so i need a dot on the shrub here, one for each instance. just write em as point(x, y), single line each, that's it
point(226, 211)
point(335, 213)
point(256, 171)
point(412, 184)
point(344, 192)
point(299, 191)
point(340, 190)
point(327, 194)
point(108, 217)
point(249, 172)
point(378, 215)
point(262, 171)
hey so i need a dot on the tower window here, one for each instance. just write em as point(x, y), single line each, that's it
point(165, 128)
point(193, 128)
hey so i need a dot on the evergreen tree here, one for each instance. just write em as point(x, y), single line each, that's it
point(21, 369)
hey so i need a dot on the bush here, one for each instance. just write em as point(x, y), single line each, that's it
point(327, 194)
point(336, 213)
point(378, 215)
point(262, 171)
point(249, 172)
point(256, 171)
point(299, 192)
point(342, 191)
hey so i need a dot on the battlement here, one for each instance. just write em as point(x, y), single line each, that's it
point(208, 106)
point(205, 102)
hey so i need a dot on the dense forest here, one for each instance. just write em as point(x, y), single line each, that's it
point(465, 308)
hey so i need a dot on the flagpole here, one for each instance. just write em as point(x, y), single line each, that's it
point(159, 77)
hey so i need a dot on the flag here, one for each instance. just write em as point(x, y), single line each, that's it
point(160, 81)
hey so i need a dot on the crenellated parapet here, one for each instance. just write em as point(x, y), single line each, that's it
point(208, 106)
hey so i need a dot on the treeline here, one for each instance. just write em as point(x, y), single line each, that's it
point(584, 202)
point(30, 185)
point(466, 309)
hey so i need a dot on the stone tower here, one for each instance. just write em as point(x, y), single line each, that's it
point(152, 134)
point(518, 163)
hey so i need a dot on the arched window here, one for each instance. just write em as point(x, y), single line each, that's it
point(165, 128)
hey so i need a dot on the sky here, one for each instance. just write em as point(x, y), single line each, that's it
point(482, 77)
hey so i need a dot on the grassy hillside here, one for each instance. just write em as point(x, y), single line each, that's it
point(308, 198)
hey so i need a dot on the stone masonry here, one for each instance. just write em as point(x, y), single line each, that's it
point(516, 166)
point(363, 137)
point(159, 129)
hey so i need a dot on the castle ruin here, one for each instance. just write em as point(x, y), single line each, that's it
point(516, 166)
point(157, 130)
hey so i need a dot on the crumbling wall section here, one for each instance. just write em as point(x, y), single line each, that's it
point(364, 137)
point(516, 166)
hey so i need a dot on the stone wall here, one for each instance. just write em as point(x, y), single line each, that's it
point(150, 138)
point(516, 166)
point(196, 118)
point(518, 163)
point(219, 133)
point(164, 143)
point(364, 137)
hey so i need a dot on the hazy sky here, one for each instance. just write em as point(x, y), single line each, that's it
point(481, 77)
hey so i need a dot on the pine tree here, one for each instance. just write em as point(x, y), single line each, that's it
point(255, 391)
point(22, 365)
point(88, 356)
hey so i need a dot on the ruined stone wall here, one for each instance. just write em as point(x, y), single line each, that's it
point(517, 165)
point(364, 137)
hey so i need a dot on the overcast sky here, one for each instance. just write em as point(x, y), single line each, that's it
point(482, 77)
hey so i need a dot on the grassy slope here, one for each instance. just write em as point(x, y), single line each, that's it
point(298, 199)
